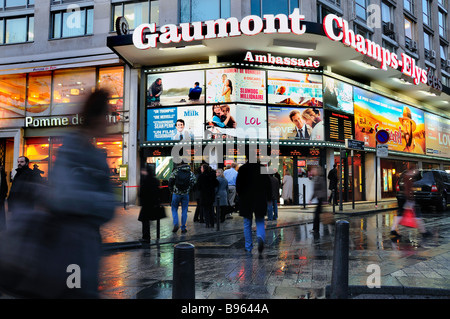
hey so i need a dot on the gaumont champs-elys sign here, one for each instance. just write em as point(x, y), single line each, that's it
point(335, 28)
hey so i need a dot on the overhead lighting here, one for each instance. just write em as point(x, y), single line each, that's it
point(302, 46)
point(401, 81)
point(364, 65)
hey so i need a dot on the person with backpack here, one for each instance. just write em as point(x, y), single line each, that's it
point(181, 182)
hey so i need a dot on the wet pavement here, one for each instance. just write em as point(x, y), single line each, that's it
point(294, 264)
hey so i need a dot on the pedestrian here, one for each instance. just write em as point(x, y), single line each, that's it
point(254, 189)
point(222, 194)
point(230, 175)
point(181, 183)
point(409, 177)
point(81, 193)
point(319, 193)
point(333, 186)
point(288, 186)
point(272, 204)
point(207, 183)
point(150, 200)
point(3, 193)
point(24, 190)
point(198, 215)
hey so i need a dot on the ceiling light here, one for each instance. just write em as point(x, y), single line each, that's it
point(303, 46)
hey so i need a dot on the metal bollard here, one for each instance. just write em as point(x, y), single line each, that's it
point(339, 276)
point(183, 286)
point(334, 199)
point(304, 196)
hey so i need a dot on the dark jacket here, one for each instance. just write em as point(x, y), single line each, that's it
point(149, 196)
point(3, 185)
point(254, 190)
point(24, 190)
point(206, 184)
point(275, 184)
point(333, 177)
point(172, 180)
point(222, 191)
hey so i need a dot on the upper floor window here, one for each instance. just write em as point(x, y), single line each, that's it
point(75, 23)
point(426, 11)
point(442, 24)
point(136, 13)
point(15, 4)
point(408, 5)
point(262, 7)
point(202, 10)
point(409, 29)
point(360, 9)
point(16, 29)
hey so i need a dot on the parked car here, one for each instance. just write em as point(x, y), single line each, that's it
point(430, 188)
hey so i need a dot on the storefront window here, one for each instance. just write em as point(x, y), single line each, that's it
point(111, 79)
point(70, 89)
point(39, 93)
point(41, 151)
point(12, 95)
point(112, 146)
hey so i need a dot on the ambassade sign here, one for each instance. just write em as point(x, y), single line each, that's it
point(335, 28)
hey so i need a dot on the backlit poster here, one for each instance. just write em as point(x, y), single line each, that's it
point(175, 88)
point(162, 123)
point(437, 135)
point(337, 95)
point(405, 123)
point(294, 88)
point(236, 120)
point(288, 123)
point(235, 85)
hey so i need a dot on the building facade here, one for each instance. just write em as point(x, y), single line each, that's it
point(338, 69)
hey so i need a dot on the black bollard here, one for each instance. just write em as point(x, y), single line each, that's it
point(158, 228)
point(304, 196)
point(183, 286)
point(339, 277)
point(334, 199)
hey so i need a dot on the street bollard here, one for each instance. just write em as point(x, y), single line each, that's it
point(183, 286)
point(158, 228)
point(334, 199)
point(304, 196)
point(339, 276)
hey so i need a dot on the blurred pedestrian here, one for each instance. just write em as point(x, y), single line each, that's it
point(181, 183)
point(23, 193)
point(207, 183)
point(150, 200)
point(198, 215)
point(82, 195)
point(222, 194)
point(230, 175)
point(319, 193)
point(288, 186)
point(272, 204)
point(333, 178)
point(3, 193)
point(254, 190)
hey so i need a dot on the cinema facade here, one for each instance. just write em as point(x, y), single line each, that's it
point(260, 76)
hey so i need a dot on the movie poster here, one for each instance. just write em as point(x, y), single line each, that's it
point(437, 135)
point(405, 123)
point(162, 123)
point(235, 85)
point(236, 120)
point(288, 123)
point(337, 95)
point(294, 88)
point(175, 88)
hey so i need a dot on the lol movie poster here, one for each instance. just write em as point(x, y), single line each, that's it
point(438, 135)
point(405, 123)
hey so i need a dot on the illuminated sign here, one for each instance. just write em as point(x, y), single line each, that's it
point(278, 60)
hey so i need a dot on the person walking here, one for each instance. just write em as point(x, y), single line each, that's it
point(198, 215)
point(288, 186)
point(150, 200)
point(230, 175)
point(207, 183)
point(333, 186)
point(254, 190)
point(222, 194)
point(272, 204)
point(3, 193)
point(319, 193)
point(181, 182)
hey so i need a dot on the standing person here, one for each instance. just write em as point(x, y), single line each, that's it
point(198, 215)
point(272, 204)
point(195, 92)
point(81, 193)
point(3, 193)
point(207, 183)
point(23, 190)
point(288, 186)
point(230, 175)
point(333, 178)
point(181, 182)
point(254, 190)
point(150, 199)
point(154, 92)
point(222, 194)
point(320, 193)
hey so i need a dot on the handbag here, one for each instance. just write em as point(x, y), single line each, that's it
point(157, 213)
point(408, 216)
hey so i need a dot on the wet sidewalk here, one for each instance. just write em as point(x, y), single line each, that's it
point(294, 264)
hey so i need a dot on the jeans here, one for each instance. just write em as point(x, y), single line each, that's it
point(272, 210)
point(176, 200)
point(260, 231)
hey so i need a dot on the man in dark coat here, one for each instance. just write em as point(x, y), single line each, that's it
point(333, 177)
point(150, 199)
point(24, 189)
point(206, 186)
point(254, 189)
point(3, 193)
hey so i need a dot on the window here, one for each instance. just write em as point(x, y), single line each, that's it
point(427, 41)
point(136, 13)
point(360, 9)
point(409, 32)
point(426, 11)
point(386, 12)
point(67, 24)
point(16, 4)
point(202, 10)
point(111, 79)
point(408, 5)
point(262, 7)
point(12, 95)
point(39, 93)
point(323, 11)
point(443, 53)
point(17, 30)
point(442, 24)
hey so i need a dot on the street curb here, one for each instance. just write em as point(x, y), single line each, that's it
point(355, 291)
